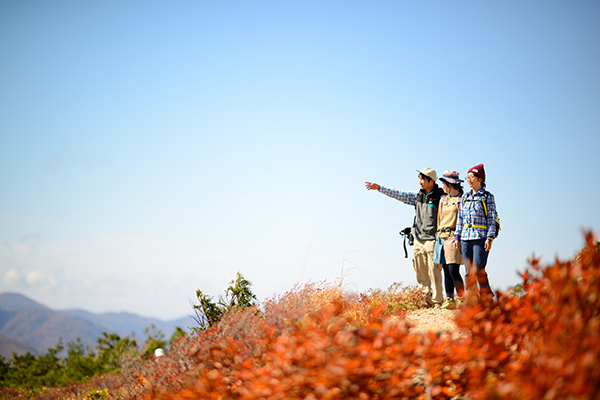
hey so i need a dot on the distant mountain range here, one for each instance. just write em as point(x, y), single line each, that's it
point(28, 326)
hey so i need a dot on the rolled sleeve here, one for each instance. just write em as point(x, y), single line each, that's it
point(409, 198)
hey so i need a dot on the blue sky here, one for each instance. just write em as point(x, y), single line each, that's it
point(148, 149)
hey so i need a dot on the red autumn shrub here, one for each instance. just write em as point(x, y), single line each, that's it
point(317, 342)
point(544, 344)
point(219, 359)
point(322, 357)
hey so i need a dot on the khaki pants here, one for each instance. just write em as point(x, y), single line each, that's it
point(429, 275)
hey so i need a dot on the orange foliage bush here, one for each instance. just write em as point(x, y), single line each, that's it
point(317, 342)
point(312, 344)
point(542, 345)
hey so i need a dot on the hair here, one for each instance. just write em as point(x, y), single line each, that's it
point(482, 179)
point(456, 186)
point(425, 177)
point(479, 176)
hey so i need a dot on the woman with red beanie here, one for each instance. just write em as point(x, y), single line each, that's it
point(476, 226)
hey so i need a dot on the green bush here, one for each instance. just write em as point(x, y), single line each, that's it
point(28, 372)
point(238, 296)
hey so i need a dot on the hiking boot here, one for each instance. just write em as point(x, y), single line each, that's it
point(449, 303)
point(428, 303)
point(460, 302)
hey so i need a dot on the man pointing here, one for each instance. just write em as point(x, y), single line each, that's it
point(426, 203)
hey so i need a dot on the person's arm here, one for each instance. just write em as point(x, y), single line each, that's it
point(491, 221)
point(405, 197)
point(459, 225)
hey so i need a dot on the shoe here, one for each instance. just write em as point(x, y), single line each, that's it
point(449, 303)
point(460, 302)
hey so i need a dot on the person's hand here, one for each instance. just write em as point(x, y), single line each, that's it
point(456, 244)
point(371, 186)
point(488, 245)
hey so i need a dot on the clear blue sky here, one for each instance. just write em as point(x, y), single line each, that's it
point(148, 149)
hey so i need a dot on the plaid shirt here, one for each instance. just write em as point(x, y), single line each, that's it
point(409, 198)
point(471, 212)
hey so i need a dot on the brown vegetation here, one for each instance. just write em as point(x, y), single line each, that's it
point(317, 342)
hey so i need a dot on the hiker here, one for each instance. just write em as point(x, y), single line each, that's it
point(426, 202)
point(444, 251)
point(476, 226)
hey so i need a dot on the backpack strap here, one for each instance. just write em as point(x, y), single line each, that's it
point(464, 198)
point(484, 201)
point(442, 200)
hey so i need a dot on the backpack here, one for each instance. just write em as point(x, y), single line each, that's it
point(484, 201)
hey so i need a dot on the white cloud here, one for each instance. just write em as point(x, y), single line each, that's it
point(34, 277)
point(12, 277)
point(37, 277)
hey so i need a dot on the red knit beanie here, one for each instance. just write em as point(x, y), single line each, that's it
point(478, 170)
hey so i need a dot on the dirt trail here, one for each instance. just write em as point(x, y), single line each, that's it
point(432, 319)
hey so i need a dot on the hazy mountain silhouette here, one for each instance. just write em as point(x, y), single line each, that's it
point(9, 346)
point(15, 301)
point(27, 325)
point(126, 324)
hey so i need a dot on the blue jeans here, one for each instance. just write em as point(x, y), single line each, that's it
point(475, 256)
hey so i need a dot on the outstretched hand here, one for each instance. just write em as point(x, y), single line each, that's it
point(371, 186)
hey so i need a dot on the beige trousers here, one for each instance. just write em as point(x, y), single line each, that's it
point(429, 275)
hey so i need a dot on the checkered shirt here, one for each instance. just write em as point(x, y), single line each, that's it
point(409, 198)
point(471, 212)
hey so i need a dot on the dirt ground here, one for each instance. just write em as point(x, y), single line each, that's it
point(432, 319)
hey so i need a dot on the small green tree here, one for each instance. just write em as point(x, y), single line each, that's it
point(112, 349)
point(238, 295)
point(155, 339)
point(207, 312)
point(179, 332)
point(4, 369)
point(29, 371)
point(81, 362)
point(48, 370)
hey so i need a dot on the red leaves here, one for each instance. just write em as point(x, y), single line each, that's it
point(319, 343)
point(549, 336)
